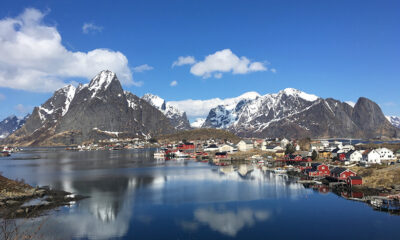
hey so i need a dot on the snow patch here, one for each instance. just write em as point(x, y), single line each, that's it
point(101, 81)
point(198, 122)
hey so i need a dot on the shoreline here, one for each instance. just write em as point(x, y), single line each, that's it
point(20, 200)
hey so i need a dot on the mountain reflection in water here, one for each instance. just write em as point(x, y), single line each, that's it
point(134, 196)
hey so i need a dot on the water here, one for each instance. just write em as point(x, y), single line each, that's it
point(133, 196)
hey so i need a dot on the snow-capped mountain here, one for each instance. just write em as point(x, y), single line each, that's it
point(94, 111)
point(198, 123)
point(177, 117)
point(394, 120)
point(11, 124)
point(293, 113)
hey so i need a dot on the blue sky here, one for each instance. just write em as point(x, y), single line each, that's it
point(342, 49)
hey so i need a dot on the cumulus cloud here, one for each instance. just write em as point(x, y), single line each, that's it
point(142, 68)
point(225, 61)
point(173, 83)
point(91, 28)
point(33, 58)
point(189, 60)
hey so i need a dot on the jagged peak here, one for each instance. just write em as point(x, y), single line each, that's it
point(154, 100)
point(102, 80)
point(249, 95)
point(297, 93)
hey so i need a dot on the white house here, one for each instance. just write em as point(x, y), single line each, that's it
point(245, 145)
point(347, 148)
point(386, 154)
point(371, 157)
point(227, 148)
point(355, 156)
point(284, 142)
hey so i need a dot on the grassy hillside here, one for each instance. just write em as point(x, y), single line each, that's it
point(199, 134)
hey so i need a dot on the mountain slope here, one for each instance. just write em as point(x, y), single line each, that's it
point(94, 111)
point(177, 117)
point(11, 124)
point(292, 113)
point(394, 120)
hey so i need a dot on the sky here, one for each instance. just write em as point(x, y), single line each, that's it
point(201, 49)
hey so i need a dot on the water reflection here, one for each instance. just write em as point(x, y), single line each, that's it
point(227, 222)
point(133, 195)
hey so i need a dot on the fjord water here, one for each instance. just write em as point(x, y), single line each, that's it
point(133, 196)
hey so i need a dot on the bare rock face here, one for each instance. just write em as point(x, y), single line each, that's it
point(177, 117)
point(295, 114)
point(91, 112)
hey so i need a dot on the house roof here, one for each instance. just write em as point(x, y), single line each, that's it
point(355, 178)
point(338, 170)
point(247, 141)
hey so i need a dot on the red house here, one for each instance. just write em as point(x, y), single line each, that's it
point(342, 173)
point(354, 180)
point(187, 146)
point(342, 156)
point(319, 170)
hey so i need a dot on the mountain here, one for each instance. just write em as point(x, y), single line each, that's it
point(394, 120)
point(95, 111)
point(198, 123)
point(177, 117)
point(296, 114)
point(11, 124)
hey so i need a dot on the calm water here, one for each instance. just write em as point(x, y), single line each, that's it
point(135, 197)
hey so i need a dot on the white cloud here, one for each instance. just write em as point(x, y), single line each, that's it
point(23, 110)
point(33, 58)
point(218, 75)
point(173, 83)
point(189, 60)
point(142, 68)
point(201, 108)
point(225, 61)
point(351, 103)
point(91, 28)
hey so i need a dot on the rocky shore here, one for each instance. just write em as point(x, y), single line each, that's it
point(20, 200)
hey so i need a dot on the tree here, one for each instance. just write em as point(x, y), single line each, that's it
point(314, 155)
point(290, 149)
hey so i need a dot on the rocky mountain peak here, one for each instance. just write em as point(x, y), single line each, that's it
point(177, 117)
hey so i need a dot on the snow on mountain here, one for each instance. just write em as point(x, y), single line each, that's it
point(101, 81)
point(11, 124)
point(198, 123)
point(394, 120)
point(257, 112)
point(177, 117)
point(201, 108)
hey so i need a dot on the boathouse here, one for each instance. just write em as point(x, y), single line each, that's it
point(342, 173)
point(354, 180)
point(318, 170)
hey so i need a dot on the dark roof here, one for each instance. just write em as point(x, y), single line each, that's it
point(247, 141)
point(315, 165)
point(338, 170)
point(355, 178)
point(212, 146)
point(220, 153)
point(335, 150)
point(350, 152)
